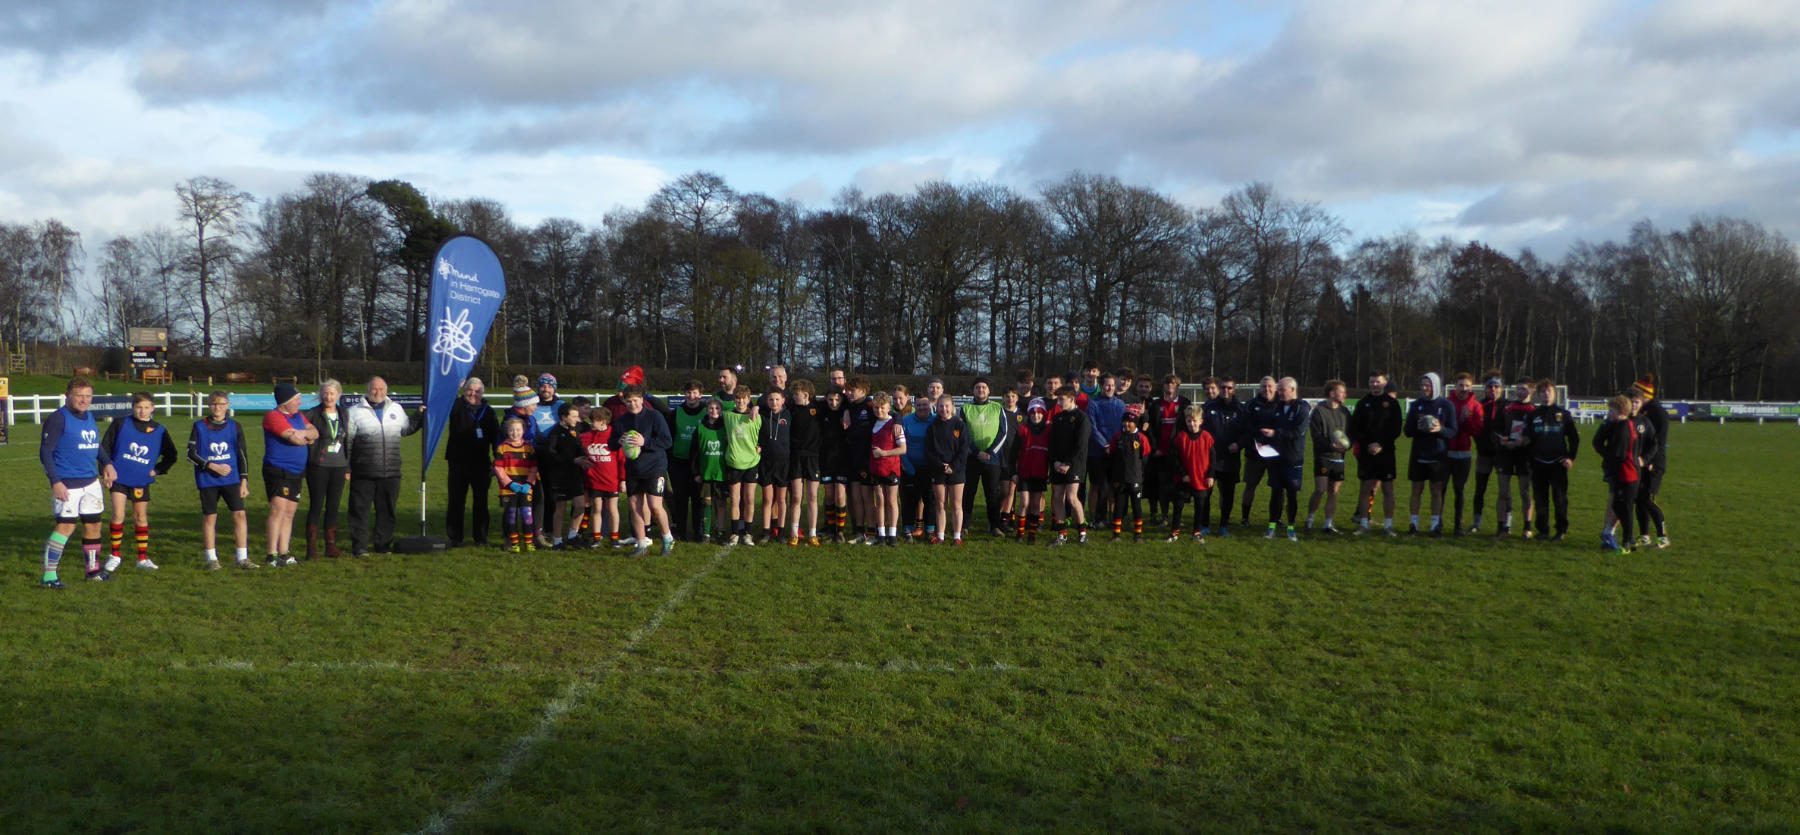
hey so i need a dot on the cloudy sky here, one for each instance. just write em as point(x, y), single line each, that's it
point(1521, 123)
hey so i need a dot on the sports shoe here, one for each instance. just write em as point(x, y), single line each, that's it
point(210, 565)
point(1175, 536)
point(1293, 535)
point(1081, 538)
point(794, 541)
point(1224, 531)
point(642, 548)
point(112, 563)
point(748, 541)
point(813, 541)
point(1437, 532)
point(1199, 538)
point(956, 543)
point(1643, 540)
point(1137, 538)
point(1390, 532)
point(1060, 540)
point(1333, 530)
point(1118, 538)
point(1558, 536)
point(1530, 534)
point(247, 565)
point(288, 559)
point(668, 547)
point(147, 565)
point(1503, 532)
point(1270, 533)
point(51, 584)
point(1607, 543)
point(1662, 542)
point(99, 576)
point(1412, 530)
point(996, 533)
point(274, 560)
point(1473, 529)
point(893, 542)
point(734, 540)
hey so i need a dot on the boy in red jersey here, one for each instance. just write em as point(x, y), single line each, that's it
point(1190, 456)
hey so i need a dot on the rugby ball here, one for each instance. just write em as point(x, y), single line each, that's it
point(1428, 423)
point(632, 450)
point(1340, 439)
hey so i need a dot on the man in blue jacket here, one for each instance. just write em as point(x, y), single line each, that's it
point(1431, 423)
point(1289, 420)
point(1106, 416)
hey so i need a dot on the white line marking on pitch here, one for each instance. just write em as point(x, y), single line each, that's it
point(895, 665)
point(560, 707)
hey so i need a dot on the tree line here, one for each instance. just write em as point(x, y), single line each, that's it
point(947, 279)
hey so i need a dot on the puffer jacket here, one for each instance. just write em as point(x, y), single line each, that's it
point(373, 435)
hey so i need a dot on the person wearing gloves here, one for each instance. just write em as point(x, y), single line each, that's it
point(515, 468)
point(989, 430)
point(373, 430)
point(1431, 423)
point(643, 436)
point(469, 458)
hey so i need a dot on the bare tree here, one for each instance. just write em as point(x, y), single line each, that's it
point(212, 209)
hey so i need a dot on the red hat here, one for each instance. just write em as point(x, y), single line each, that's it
point(633, 376)
point(1134, 412)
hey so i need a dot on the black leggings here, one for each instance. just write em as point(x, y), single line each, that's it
point(1459, 477)
point(325, 486)
point(1202, 500)
point(1624, 495)
point(1227, 484)
point(1278, 494)
point(1650, 513)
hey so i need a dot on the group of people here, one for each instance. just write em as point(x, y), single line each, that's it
point(855, 464)
point(320, 451)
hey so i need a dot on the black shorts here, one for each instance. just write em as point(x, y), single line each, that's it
point(1285, 475)
point(1513, 463)
point(1033, 485)
point(1073, 476)
point(885, 480)
point(600, 494)
point(1327, 469)
point(956, 477)
point(833, 467)
point(804, 466)
point(1485, 463)
point(279, 483)
point(649, 485)
point(1382, 467)
point(1254, 466)
point(210, 496)
point(734, 475)
point(1436, 472)
point(773, 472)
point(135, 494)
point(1126, 488)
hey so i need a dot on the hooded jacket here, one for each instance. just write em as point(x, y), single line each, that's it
point(1431, 446)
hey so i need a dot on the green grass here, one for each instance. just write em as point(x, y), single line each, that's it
point(1349, 684)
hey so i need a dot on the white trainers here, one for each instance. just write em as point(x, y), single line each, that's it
point(734, 540)
point(147, 565)
point(210, 565)
point(247, 565)
point(112, 564)
point(290, 560)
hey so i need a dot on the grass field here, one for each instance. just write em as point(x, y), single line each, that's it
point(1343, 684)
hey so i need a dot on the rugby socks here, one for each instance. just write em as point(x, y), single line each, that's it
point(53, 550)
point(143, 542)
point(1415, 521)
point(1032, 522)
point(90, 548)
point(1437, 522)
point(1137, 526)
point(118, 538)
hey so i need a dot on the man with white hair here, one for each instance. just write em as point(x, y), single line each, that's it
point(372, 433)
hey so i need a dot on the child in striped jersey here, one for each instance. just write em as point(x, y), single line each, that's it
point(515, 467)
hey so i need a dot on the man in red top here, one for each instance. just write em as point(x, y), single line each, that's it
point(1469, 426)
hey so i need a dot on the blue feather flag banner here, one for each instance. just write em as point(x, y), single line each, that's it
point(467, 288)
